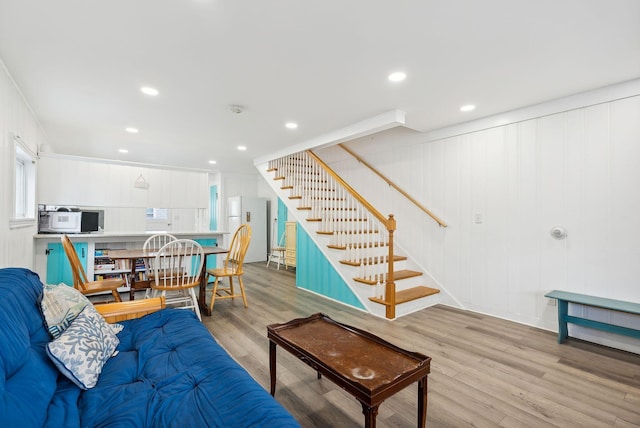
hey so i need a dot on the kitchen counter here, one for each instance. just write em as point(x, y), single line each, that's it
point(141, 235)
point(45, 246)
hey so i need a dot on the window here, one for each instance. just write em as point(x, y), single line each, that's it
point(21, 189)
point(157, 214)
point(158, 220)
point(24, 212)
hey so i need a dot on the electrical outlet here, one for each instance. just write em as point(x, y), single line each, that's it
point(477, 218)
point(550, 301)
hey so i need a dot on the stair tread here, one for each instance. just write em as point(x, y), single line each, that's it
point(409, 295)
point(396, 258)
point(405, 273)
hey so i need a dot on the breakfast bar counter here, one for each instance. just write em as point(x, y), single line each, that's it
point(50, 262)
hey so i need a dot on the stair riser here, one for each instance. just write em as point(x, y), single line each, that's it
point(356, 271)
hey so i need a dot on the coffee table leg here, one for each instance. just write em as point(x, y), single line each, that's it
point(272, 366)
point(422, 402)
point(370, 413)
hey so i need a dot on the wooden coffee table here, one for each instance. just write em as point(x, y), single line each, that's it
point(359, 362)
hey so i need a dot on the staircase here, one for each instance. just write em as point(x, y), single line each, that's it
point(358, 239)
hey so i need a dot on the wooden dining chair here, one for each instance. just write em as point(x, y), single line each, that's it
point(80, 281)
point(278, 249)
point(177, 271)
point(154, 243)
point(231, 268)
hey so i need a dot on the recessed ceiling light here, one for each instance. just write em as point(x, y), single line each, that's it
point(398, 76)
point(123, 151)
point(212, 162)
point(147, 90)
point(468, 107)
point(291, 125)
point(242, 148)
point(132, 130)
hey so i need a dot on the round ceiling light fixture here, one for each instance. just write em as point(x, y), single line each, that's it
point(397, 76)
point(123, 151)
point(291, 125)
point(467, 107)
point(212, 162)
point(148, 90)
point(132, 130)
point(242, 148)
point(235, 108)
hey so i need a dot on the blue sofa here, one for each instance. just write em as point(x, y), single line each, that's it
point(168, 371)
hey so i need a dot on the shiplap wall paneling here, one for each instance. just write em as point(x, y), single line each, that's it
point(16, 244)
point(624, 226)
point(552, 201)
point(590, 250)
point(91, 183)
point(523, 294)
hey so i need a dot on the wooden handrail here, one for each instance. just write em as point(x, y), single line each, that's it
point(389, 223)
point(392, 184)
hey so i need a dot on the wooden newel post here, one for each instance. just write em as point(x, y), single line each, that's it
point(390, 287)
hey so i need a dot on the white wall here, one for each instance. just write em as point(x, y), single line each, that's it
point(64, 180)
point(249, 185)
point(578, 168)
point(16, 118)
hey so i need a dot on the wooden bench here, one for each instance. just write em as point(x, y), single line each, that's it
point(564, 298)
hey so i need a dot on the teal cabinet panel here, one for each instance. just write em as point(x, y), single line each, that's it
point(58, 266)
point(315, 273)
point(283, 214)
point(210, 242)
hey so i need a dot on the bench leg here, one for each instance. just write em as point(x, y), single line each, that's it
point(563, 311)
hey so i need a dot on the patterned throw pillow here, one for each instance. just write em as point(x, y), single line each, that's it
point(61, 305)
point(83, 349)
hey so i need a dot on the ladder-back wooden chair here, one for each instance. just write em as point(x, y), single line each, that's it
point(232, 267)
point(177, 271)
point(80, 281)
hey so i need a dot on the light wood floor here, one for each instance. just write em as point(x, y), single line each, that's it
point(485, 371)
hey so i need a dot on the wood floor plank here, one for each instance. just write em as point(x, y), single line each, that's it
point(486, 371)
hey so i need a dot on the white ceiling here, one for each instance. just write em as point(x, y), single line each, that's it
point(322, 64)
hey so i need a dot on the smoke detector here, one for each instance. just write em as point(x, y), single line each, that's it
point(234, 108)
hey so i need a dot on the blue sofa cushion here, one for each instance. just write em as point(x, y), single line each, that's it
point(170, 361)
point(27, 376)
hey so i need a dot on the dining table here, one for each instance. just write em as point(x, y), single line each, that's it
point(133, 255)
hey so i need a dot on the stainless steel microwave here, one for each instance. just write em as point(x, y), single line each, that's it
point(68, 222)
